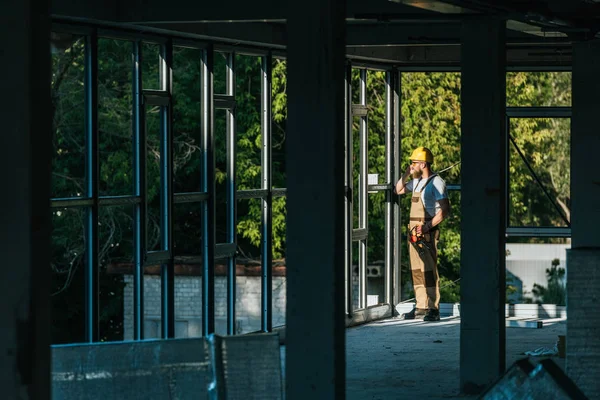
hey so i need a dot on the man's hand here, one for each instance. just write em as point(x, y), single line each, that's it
point(423, 229)
point(399, 188)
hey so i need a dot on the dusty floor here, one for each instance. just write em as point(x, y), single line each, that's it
point(395, 359)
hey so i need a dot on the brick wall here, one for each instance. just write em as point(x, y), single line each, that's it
point(188, 305)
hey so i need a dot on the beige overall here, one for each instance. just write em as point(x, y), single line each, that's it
point(423, 266)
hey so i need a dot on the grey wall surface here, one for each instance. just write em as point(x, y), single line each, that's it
point(166, 369)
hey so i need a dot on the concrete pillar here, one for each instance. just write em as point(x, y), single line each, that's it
point(25, 143)
point(482, 341)
point(315, 331)
point(583, 260)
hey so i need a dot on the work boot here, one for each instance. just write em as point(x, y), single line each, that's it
point(432, 315)
point(415, 313)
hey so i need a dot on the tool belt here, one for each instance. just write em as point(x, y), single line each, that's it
point(417, 219)
point(420, 242)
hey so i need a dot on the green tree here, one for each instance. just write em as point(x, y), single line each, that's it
point(430, 112)
point(556, 292)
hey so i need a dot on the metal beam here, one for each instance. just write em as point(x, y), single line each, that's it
point(102, 10)
point(266, 33)
point(423, 32)
point(196, 11)
point(449, 55)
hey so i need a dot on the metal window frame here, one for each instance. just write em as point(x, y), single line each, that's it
point(390, 78)
point(361, 233)
point(554, 112)
point(208, 186)
point(231, 193)
point(267, 200)
point(349, 192)
point(209, 101)
point(92, 270)
point(396, 279)
point(140, 211)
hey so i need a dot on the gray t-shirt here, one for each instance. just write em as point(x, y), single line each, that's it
point(433, 193)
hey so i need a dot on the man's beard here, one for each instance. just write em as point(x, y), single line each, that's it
point(417, 174)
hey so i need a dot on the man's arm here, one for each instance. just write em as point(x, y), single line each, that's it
point(400, 187)
point(439, 217)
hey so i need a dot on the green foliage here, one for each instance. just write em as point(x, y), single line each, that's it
point(431, 118)
point(545, 145)
point(449, 290)
point(430, 112)
point(556, 292)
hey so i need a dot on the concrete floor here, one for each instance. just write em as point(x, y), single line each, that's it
point(394, 359)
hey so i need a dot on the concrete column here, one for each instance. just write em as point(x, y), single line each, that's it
point(315, 201)
point(483, 142)
point(583, 260)
point(585, 145)
point(25, 143)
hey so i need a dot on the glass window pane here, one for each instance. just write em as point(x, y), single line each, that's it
point(187, 128)
point(278, 126)
point(279, 260)
point(449, 252)
point(545, 146)
point(187, 229)
point(68, 262)
point(220, 73)
point(356, 122)
point(535, 270)
point(376, 249)
point(151, 61)
point(248, 121)
point(187, 248)
point(538, 89)
point(68, 116)
point(221, 162)
point(430, 112)
point(355, 277)
point(115, 234)
point(153, 178)
point(115, 117)
point(355, 84)
point(248, 279)
point(376, 124)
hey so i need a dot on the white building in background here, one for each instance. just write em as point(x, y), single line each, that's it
point(526, 265)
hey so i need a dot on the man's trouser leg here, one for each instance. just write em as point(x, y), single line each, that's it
point(424, 271)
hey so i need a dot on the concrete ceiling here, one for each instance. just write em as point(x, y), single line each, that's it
point(579, 19)
point(412, 32)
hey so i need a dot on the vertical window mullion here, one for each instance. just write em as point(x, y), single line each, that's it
point(362, 202)
point(166, 193)
point(140, 189)
point(349, 182)
point(267, 202)
point(91, 124)
point(389, 174)
point(397, 223)
point(231, 196)
point(208, 186)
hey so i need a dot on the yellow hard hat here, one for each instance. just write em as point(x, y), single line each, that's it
point(422, 154)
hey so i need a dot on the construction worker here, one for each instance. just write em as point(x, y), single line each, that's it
point(429, 207)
